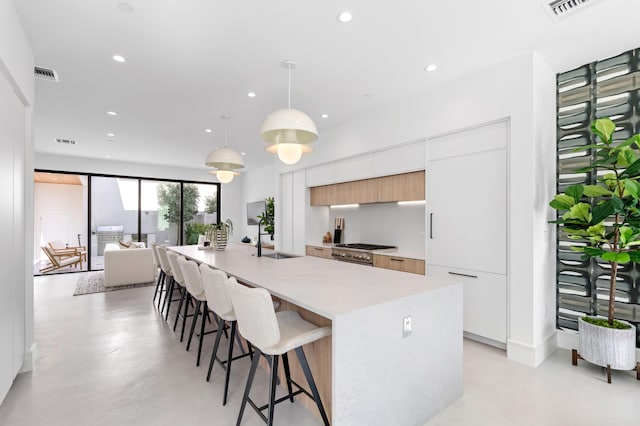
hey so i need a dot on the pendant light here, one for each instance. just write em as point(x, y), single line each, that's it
point(224, 160)
point(288, 130)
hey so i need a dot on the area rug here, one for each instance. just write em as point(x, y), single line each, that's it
point(93, 282)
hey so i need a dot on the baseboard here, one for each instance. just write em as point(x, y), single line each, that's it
point(484, 340)
point(568, 339)
point(531, 355)
point(30, 357)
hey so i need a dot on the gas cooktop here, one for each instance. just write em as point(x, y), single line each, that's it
point(361, 246)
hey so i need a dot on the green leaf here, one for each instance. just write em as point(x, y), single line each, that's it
point(602, 211)
point(632, 170)
point(626, 234)
point(581, 212)
point(632, 187)
point(626, 156)
point(592, 251)
point(604, 128)
point(562, 202)
point(575, 191)
point(595, 191)
point(634, 256)
point(633, 139)
point(612, 256)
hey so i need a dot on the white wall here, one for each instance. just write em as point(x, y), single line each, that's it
point(17, 349)
point(258, 184)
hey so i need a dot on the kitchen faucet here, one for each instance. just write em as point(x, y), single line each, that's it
point(259, 244)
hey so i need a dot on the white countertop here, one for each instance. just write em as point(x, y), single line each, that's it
point(324, 286)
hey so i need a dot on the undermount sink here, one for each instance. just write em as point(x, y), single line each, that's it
point(279, 255)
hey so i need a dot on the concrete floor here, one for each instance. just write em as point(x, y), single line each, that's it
point(109, 359)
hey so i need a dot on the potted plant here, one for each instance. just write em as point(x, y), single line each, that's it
point(605, 218)
point(267, 217)
point(219, 233)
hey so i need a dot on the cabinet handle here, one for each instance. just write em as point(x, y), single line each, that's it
point(463, 275)
point(397, 260)
point(318, 248)
point(431, 225)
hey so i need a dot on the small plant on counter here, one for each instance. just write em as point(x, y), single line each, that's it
point(267, 217)
point(219, 233)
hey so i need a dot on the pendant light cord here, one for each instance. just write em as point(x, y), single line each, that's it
point(225, 118)
point(289, 67)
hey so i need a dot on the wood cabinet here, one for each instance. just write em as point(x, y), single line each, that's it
point(318, 251)
point(404, 264)
point(402, 187)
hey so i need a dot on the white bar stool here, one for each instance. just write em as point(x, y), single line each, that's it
point(161, 251)
point(215, 286)
point(156, 263)
point(193, 283)
point(273, 334)
point(184, 294)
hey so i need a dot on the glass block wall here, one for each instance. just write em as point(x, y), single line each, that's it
point(606, 88)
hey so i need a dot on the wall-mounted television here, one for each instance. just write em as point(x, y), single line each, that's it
point(255, 209)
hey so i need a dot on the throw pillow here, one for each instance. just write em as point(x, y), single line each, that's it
point(124, 244)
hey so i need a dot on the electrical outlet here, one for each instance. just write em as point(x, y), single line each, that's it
point(406, 327)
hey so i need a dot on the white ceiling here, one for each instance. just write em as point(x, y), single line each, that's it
point(188, 62)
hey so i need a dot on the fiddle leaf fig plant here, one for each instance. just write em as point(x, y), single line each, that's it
point(605, 216)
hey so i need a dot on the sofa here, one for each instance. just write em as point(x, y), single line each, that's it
point(127, 266)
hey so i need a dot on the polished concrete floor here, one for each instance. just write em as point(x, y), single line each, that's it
point(109, 359)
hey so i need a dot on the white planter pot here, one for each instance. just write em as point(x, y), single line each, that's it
point(607, 346)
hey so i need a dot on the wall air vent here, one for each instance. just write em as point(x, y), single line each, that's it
point(46, 73)
point(66, 141)
point(559, 9)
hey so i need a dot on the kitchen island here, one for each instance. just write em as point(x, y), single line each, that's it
point(374, 375)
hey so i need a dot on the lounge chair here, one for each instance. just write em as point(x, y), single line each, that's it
point(58, 261)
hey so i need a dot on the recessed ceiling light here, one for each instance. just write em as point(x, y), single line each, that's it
point(111, 134)
point(125, 7)
point(118, 58)
point(251, 94)
point(243, 153)
point(325, 115)
point(208, 130)
point(345, 16)
point(112, 113)
point(107, 156)
point(431, 67)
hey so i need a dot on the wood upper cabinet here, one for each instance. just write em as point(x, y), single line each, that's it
point(402, 187)
point(405, 264)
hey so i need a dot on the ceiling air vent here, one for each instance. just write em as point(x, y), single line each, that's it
point(66, 141)
point(46, 73)
point(558, 9)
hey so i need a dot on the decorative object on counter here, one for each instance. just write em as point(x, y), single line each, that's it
point(288, 131)
point(267, 217)
point(326, 239)
point(604, 219)
point(219, 234)
point(246, 240)
point(224, 160)
point(339, 227)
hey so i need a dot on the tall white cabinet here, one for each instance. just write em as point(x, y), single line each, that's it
point(467, 222)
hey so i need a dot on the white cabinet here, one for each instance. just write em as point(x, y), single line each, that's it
point(405, 158)
point(467, 221)
point(291, 212)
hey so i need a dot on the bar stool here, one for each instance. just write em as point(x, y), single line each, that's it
point(273, 334)
point(193, 283)
point(215, 287)
point(156, 263)
point(168, 274)
point(178, 279)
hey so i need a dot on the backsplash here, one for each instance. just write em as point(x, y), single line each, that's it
point(382, 223)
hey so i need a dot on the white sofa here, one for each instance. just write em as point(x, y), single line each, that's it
point(127, 266)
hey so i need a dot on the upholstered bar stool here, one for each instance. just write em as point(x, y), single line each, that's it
point(161, 251)
point(178, 280)
point(215, 287)
point(274, 334)
point(156, 262)
point(193, 283)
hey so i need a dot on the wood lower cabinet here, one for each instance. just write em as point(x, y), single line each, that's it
point(318, 251)
point(404, 264)
point(402, 187)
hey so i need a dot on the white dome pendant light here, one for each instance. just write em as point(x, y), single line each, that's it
point(288, 131)
point(224, 160)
